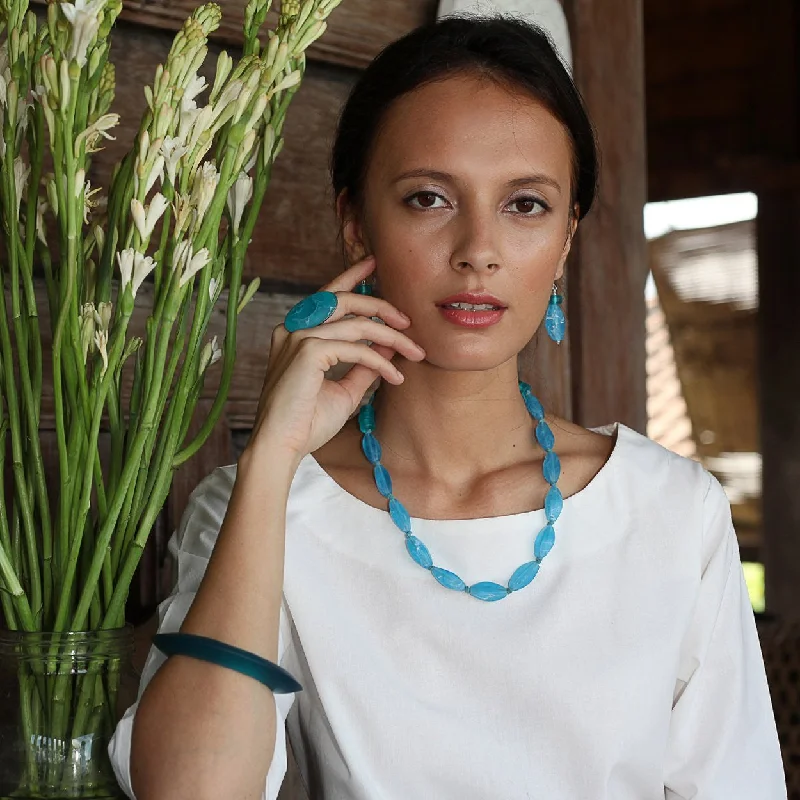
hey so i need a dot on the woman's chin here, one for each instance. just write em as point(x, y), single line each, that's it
point(462, 360)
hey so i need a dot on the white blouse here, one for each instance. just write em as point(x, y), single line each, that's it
point(630, 668)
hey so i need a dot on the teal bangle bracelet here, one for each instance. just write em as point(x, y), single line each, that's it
point(226, 655)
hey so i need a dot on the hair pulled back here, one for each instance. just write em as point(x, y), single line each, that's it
point(507, 49)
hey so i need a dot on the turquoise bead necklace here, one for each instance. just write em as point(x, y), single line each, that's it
point(488, 591)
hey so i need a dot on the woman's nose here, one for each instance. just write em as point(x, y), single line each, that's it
point(475, 244)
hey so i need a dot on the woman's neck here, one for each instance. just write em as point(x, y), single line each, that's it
point(453, 424)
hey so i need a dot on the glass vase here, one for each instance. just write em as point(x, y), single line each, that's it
point(61, 696)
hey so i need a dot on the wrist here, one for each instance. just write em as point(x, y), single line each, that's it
point(267, 458)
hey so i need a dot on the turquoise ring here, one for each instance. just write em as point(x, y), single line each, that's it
point(311, 312)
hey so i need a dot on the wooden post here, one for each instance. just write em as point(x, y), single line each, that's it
point(608, 269)
point(779, 364)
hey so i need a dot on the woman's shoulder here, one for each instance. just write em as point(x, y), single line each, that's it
point(624, 460)
point(653, 476)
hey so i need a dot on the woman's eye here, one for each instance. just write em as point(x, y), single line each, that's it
point(527, 206)
point(424, 200)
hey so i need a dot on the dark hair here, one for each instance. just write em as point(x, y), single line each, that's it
point(504, 48)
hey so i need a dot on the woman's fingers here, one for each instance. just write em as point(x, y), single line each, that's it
point(328, 353)
point(364, 305)
point(350, 278)
point(357, 380)
point(357, 329)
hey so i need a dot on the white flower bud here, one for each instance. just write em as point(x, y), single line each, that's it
point(290, 81)
point(125, 261)
point(88, 328)
point(104, 311)
point(41, 207)
point(194, 264)
point(204, 187)
point(147, 219)
point(173, 150)
point(101, 341)
point(142, 267)
point(64, 84)
point(139, 220)
point(238, 197)
point(21, 173)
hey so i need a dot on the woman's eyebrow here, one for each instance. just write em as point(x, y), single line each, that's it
point(445, 177)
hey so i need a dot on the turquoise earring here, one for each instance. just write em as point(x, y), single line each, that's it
point(555, 322)
point(365, 287)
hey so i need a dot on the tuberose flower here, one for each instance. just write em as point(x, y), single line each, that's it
point(190, 263)
point(84, 17)
point(97, 130)
point(134, 268)
point(21, 173)
point(147, 219)
point(125, 261)
point(238, 197)
point(209, 356)
point(101, 341)
point(173, 150)
point(193, 265)
point(88, 328)
point(203, 188)
point(142, 267)
point(197, 84)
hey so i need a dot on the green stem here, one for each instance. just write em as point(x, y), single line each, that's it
point(237, 266)
point(117, 347)
point(128, 476)
point(18, 461)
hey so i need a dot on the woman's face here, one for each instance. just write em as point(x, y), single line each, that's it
point(468, 190)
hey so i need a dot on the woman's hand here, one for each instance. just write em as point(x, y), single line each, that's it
point(300, 409)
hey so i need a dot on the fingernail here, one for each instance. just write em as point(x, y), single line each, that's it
point(405, 317)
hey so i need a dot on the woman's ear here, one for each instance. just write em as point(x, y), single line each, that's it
point(355, 247)
point(573, 226)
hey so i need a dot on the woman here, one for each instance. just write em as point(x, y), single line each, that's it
point(622, 662)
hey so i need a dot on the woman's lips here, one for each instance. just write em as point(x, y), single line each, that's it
point(472, 319)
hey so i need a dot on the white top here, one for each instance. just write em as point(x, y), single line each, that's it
point(629, 669)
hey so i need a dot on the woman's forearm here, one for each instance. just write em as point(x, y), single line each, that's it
point(202, 731)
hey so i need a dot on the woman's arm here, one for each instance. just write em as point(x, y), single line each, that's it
point(722, 744)
point(201, 730)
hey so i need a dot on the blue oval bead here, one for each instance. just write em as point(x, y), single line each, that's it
point(399, 515)
point(366, 419)
point(545, 436)
point(488, 591)
point(544, 542)
point(535, 408)
point(524, 388)
point(371, 448)
point(418, 551)
point(523, 576)
point(555, 322)
point(551, 468)
point(448, 579)
point(383, 480)
point(553, 504)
